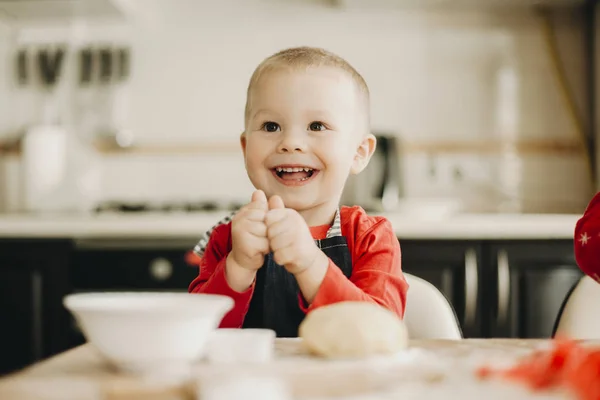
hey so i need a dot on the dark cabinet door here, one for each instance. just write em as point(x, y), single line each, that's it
point(131, 265)
point(132, 269)
point(454, 268)
point(33, 282)
point(21, 317)
point(528, 283)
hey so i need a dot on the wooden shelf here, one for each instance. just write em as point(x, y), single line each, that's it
point(457, 4)
point(531, 147)
point(523, 147)
point(172, 149)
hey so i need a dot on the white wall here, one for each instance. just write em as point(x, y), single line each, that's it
point(452, 77)
point(5, 110)
point(5, 75)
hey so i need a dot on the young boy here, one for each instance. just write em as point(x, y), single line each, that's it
point(587, 240)
point(292, 249)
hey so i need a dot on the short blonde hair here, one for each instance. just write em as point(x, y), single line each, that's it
point(306, 57)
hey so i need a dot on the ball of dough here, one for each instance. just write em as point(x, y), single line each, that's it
point(353, 330)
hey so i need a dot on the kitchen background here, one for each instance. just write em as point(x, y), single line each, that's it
point(472, 89)
point(119, 145)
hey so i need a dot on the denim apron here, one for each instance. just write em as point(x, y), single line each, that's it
point(276, 300)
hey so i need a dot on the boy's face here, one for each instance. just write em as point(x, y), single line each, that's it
point(305, 133)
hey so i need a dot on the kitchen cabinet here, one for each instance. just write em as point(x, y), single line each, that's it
point(33, 281)
point(128, 265)
point(132, 266)
point(454, 268)
point(528, 282)
point(498, 288)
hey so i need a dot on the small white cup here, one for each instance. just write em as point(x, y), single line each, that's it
point(231, 345)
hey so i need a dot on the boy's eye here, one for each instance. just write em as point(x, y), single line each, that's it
point(271, 126)
point(316, 126)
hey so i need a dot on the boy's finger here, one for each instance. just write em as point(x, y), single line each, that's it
point(257, 205)
point(262, 245)
point(254, 214)
point(275, 215)
point(276, 202)
point(277, 228)
point(258, 230)
point(259, 197)
point(259, 201)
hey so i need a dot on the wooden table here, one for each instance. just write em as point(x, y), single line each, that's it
point(429, 369)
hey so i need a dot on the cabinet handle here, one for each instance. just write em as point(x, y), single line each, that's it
point(37, 325)
point(471, 286)
point(503, 287)
point(161, 269)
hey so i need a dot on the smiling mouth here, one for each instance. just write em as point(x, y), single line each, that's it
point(294, 174)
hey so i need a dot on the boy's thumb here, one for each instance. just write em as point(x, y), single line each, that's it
point(275, 202)
point(259, 197)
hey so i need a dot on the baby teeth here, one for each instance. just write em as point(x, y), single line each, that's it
point(279, 169)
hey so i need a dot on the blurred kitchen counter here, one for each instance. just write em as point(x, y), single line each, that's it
point(518, 267)
point(192, 225)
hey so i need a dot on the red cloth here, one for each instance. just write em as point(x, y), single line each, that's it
point(376, 272)
point(566, 365)
point(587, 239)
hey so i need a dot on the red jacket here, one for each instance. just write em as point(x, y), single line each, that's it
point(587, 239)
point(376, 270)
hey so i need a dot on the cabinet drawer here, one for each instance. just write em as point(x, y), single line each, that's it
point(131, 270)
point(527, 285)
point(454, 268)
point(33, 281)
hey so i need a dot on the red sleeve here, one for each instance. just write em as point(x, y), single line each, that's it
point(587, 239)
point(376, 273)
point(212, 280)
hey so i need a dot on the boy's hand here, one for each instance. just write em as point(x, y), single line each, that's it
point(249, 243)
point(289, 237)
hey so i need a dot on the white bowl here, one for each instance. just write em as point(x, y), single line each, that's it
point(247, 346)
point(149, 332)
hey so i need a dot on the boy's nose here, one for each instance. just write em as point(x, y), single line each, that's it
point(292, 142)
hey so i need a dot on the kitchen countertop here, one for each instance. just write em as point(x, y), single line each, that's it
point(428, 369)
point(192, 225)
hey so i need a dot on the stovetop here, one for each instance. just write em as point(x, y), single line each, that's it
point(166, 207)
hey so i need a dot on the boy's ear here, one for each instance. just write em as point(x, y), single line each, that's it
point(365, 150)
point(243, 142)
